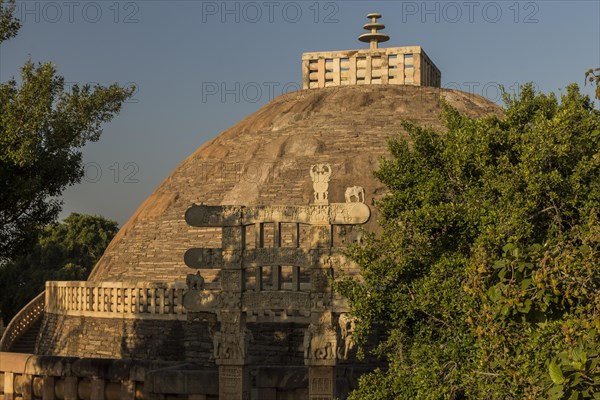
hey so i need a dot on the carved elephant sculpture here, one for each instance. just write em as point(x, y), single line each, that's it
point(355, 194)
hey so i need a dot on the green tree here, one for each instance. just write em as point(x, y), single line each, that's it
point(486, 273)
point(42, 129)
point(593, 77)
point(65, 251)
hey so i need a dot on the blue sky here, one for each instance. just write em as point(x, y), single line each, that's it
point(179, 53)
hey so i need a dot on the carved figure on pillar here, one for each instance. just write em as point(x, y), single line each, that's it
point(347, 325)
point(320, 174)
point(320, 342)
point(230, 344)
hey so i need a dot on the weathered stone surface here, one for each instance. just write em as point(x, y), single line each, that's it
point(264, 160)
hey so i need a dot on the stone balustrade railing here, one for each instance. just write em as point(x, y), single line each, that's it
point(147, 300)
point(30, 314)
point(29, 377)
point(408, 65)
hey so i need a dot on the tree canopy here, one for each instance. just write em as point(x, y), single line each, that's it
point(486, 273)
point(65, 251)
point(42, 129)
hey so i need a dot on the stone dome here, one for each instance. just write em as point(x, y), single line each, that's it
point(265, 160)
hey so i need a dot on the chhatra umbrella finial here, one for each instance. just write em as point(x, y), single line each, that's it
point(374, 37)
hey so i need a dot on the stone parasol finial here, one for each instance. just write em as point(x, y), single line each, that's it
point(374, 37)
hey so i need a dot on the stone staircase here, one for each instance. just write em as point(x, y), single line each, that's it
point(26, 342)
point(22, 332)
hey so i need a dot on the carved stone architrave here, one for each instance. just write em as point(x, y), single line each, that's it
point(276, 301)
point(213, 258)
point(353, 213)
point(202, 300)
point(314, 214)
point(213, 216)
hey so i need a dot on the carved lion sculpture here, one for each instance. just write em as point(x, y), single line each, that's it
point(320, 174)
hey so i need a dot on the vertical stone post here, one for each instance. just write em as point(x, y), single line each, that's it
point(231, 351)
point(26, 387)
point(9, 386)
point(70, 386)
point(97, 389)
point(231, 342)
point(321, 383)
point(320, 355)
point(305, 74)
point(48, 391)
point(417, 62)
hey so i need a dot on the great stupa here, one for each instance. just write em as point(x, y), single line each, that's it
point(219, 286)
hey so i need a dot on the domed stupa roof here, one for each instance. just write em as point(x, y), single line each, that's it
point(351, 103)
point(265, 160)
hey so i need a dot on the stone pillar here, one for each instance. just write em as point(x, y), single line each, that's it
point(70, 388)
point(9, 386)
point(231, 349)
point(234, 382)
point(26, 387)
point(97, 389)
point(48, 392)
point(320, 355)
point(321, 383)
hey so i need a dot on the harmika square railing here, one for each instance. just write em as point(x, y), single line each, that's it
point(395, 65)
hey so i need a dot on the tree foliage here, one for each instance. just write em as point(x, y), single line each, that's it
point(65, 251)
point(486, 273)
point(9, 25)
point(593, 77)
point(42, 129)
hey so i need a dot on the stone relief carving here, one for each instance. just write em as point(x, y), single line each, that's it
point(320, 174)
point(232, 346)
point(315, 214)
point(326, 339)
point(355, 194)
point(232, 238)
point(320, 302)
point(215, 216)
point(230, 343)
point(276, 300)
point(195, 282)
point(231, 280)
point(347, 325)
point(196, 299)
point(320, 280)
point(320, 341)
